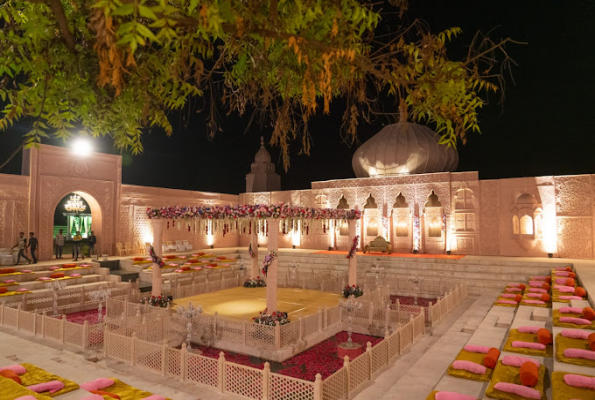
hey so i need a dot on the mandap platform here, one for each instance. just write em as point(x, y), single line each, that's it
point(247, 303)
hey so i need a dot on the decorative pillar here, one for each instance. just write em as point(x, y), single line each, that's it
point(273, 226)
point(353, 260)
point(254, 241)
point(157, 246)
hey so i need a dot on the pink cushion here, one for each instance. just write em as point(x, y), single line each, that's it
point(534, 302)
point(53, 268)
point(469, 366)
point(514, 285)
point(453, 396)
point(577, 321)
point(51, 386)
point(539, 277)
point(508, 295)
point(182, 257)
point(517, 361)
point(561, 273)
point(154, 397)
point(537, 290)
point(565, 289)
point(30, 398)
point(75, 275)
point(561, 281)
point(529, 329)
point(579, 381)
point(536, 283)
point(44, 278)
point(476, 349)
point(22, 290)
point(26, 271)
point(520, 390)
point(10, 281)
point(97, 384)
point(528, 345)
point(178, 270)
point(534, 295)
point(93, 397)
point(570, 298)
point(84, 265)
point(576, 333)
point(172, 265)
point(579, 353)
point(512, 289)
point(571, 310)
point(561, 268)
point(17, 369)
point(197, 268)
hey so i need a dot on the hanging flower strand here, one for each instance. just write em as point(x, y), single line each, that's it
point(156, 258)
point(250, 251)
point(353, 249)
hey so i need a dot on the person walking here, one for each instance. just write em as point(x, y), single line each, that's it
point(92, 241)
point(33, 243)
point(22, 246)
point(76, 246)
point(59, 242)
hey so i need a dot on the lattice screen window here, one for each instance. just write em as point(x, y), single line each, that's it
point(526, 225)
point(465, 222)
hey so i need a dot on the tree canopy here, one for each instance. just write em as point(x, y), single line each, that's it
point(118, 67)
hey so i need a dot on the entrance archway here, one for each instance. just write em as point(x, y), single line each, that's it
point(70, 221)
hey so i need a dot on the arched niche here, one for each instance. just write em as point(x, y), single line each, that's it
point(401, 218)
point(370, 203)
point(343, 205)
point(527, 218)
point(434, 234)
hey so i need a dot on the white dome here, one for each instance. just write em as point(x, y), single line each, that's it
point(403, 148)
point(262, 155)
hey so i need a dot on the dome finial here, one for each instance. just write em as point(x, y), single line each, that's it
point(262, 140)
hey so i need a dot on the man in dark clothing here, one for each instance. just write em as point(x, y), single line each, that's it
point(33, 243)
point(92, 241)
point(22, 245)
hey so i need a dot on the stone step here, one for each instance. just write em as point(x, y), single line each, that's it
point(125, 275)
point(145, 287)
point(112, 265)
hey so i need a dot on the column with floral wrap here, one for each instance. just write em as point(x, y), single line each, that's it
point(255, 267)
point(157, 246)
point(273, 240)
point(353, 260)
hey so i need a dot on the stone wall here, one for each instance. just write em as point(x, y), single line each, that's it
point(14, 201)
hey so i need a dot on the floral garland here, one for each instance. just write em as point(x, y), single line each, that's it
point(416, 233)
point(284, 210)
point(156, 258)
point(271, 319)
point(250, 251)
point(353, 249)
point(268, 260)
point(157, 301)
point(253, 283)
point(352, 290)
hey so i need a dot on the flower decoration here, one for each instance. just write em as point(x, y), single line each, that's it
point(250, 251)
point(158, 301)
point(354, 290)
point(353, 249)
point(268, 260)
point(155, 258)
point(271, 319)
point(254, 283)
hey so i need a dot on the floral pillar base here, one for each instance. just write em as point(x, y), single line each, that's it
point(352, 350)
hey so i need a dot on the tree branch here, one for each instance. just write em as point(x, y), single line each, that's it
point(58, 10)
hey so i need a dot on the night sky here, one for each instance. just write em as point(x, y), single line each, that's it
point(546, 126)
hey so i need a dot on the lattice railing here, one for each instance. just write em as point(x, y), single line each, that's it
point(230, 329)
point(379, 356)
point(148, 355)
point(283, 387)
point(201, 369)
point(359, 371)
point(243, 381)
point(335, 386)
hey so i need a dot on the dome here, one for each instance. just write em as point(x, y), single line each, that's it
point(403, 148)
point(526, 198)
point(262, 155)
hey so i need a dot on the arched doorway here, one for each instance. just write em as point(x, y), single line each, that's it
point(73, 214)
point(94, 221)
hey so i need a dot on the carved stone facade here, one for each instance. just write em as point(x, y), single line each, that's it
point(550, 214)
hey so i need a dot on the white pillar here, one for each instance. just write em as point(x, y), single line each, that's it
point(352, 261)
point(157, 246)
point(273, 226)
point(254, 271)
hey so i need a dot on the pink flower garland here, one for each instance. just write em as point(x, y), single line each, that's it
point(353, 249)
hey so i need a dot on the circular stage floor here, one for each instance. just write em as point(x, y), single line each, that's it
point(247, 303)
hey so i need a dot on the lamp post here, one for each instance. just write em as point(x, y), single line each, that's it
point(100, 296)
point(377, 270)
point(56, 285)
point(243, 269)
point(188, 313)
point(417, 281)
point(350, 305)
point(293, 274)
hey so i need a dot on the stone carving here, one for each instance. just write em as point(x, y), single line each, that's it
point(489, 217)
point(573, 195)
point(575, 237)
point(80, 168)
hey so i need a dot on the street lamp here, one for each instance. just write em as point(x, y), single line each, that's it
point(188, 313)
point(350, 305)
point(377, 270)
point(56, 285)
point(417, 281)
point(293, 267)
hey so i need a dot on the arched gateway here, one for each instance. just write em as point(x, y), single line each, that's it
point(55, 172)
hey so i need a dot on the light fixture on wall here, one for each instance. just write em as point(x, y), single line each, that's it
point(82, 147)
point(75, 204)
